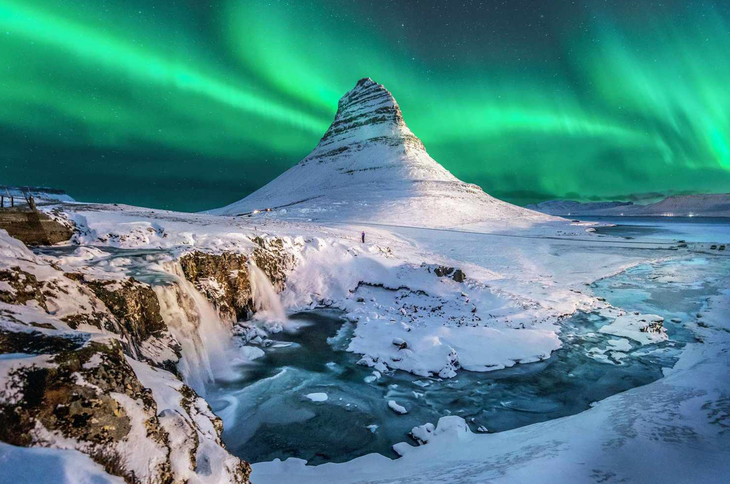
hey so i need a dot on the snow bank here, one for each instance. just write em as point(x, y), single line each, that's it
point(22, 465)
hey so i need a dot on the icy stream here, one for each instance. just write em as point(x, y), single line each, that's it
point(272, 410)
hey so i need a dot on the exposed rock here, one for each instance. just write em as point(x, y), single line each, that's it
point(133, 303)
point(272, 258)
point(655, 326)
point(74, 398)
point(33, 227)
point(24, 287)
point(459, 275)
point(35, 342)
point(442, 271)
point(224, 278)
point(456, 274)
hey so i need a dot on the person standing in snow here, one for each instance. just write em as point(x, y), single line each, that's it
point(363, 236)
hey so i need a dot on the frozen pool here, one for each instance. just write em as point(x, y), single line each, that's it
point(269, 411)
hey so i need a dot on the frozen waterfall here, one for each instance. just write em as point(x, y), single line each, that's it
point(265, 299)
point(204, 337)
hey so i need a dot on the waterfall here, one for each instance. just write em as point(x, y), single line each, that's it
point(205, 338)
point(207, 349)
point(265, 299)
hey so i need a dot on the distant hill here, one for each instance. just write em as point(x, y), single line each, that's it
point(706, 205)
point(39, 193)
point(570, 207)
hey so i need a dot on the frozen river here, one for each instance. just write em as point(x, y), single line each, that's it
point(307, 397)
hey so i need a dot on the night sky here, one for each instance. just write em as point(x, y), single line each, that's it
point(191, 104)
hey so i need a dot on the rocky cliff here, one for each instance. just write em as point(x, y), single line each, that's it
point(90, 364)
point(224, 279)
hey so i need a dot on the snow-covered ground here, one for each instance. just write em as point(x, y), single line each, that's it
point(520, 281)
point(517, 284)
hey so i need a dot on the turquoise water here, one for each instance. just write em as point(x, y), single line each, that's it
point(267, 415)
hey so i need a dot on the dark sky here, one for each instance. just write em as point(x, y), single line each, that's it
point(191, 105)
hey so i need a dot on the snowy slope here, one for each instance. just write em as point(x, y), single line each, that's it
point(370, 167)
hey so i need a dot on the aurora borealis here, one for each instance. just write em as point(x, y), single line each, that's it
point(191, 105)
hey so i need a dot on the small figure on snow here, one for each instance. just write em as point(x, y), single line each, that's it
point(363, 236)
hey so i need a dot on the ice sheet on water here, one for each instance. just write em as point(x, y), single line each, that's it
point(564, 384)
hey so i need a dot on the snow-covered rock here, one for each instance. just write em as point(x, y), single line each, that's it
point(83, 367)
point(644, 328)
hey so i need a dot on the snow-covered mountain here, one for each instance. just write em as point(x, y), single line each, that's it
point(369, 166)
point(705, 205)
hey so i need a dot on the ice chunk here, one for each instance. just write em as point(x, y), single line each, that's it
point(317, 397)
point(397, 408)
point(250, 353)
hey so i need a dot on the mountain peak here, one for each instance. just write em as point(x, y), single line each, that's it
point(370, 166)
point(367, 111)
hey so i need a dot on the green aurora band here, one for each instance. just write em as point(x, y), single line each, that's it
point(191, 106)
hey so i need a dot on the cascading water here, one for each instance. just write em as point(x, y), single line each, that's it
point(207, 350)
point(265, 299)
point(205, 338)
